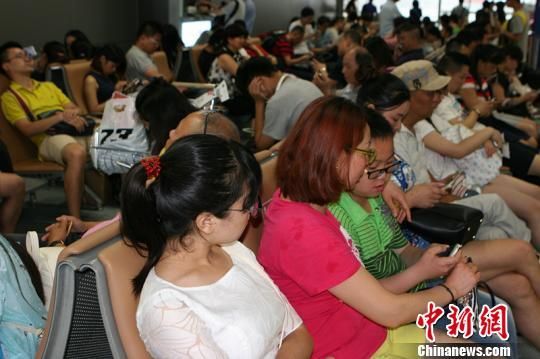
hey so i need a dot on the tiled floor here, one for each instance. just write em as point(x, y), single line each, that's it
point(50, 203)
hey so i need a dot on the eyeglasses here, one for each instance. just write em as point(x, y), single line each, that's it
point(21, 55)
point(253, 211)
point(370, 154)
point(378, 173)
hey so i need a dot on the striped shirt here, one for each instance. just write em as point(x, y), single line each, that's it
point(282, 47)
point(376, 235)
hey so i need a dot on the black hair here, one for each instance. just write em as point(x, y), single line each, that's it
point(248, 70)
point(383, 92)
point(77, 34)
point(410, 27)
point(55, 52)
point(381, 52)
point(162, 106)
point(470, 34)
point(431, 29)
point(240, 22)
point(171, 43)
point(4, 57)
point(514, 52)
point(379, 128)
point(149, 28)
point(307, 11)
point(217, 39)
point(235, 30)
point(323, 20)
point(452, 62)
point(111, 53)
point(354, 36)
point(366, 66)
point(485, 53)
point(81, 49)
point(199, 173)
point(400, 20)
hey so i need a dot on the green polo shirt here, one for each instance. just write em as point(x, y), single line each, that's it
point(376, 234)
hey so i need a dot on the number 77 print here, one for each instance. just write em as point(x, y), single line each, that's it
point(491, 321)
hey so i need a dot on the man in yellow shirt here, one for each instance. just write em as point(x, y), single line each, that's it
point(46, 106)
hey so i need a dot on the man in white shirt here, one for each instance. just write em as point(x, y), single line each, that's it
point(306, 21)
point(389, 12)
point(139, 63)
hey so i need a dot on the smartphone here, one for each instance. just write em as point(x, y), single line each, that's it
point(30, 51)
point(452, 180)
point(451, 251)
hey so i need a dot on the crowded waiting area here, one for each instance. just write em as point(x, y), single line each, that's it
point(270, 179)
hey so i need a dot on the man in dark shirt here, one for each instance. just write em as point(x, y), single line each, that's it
point(410, 43)
point(283, 51)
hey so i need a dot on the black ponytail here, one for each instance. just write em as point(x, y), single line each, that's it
point(199, 173)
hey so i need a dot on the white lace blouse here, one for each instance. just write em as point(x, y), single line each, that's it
point(242, 315)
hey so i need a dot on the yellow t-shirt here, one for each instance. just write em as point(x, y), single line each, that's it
point(43, 97)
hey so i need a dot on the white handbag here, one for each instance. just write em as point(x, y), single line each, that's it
point(45, 259)
point(121, 139)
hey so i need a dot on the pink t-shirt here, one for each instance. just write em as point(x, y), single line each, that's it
point(305, 253)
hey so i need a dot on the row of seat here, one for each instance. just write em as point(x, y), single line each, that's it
point(92, 311)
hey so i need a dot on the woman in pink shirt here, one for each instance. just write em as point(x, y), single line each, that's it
point(312, 259)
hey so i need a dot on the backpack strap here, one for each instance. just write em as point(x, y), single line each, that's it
point(23, 104)
point(235, 10)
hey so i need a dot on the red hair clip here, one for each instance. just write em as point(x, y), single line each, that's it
point(152, 166)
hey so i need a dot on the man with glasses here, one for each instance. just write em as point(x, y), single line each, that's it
point(34, 108)
point(139, 63)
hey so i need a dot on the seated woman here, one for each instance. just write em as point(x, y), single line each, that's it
point(304, 250)
point(199, 285)
point(161, 106)
point(516, 96)
point(22, 313)
point(358, 66)
point(524, 292)
point(72, 36)
point(223, 68)
point(228, 57)
point(479, 87)
point(524, 161)
point(101, 81)
point(390, 258)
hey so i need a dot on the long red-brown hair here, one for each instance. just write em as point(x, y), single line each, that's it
point(307, 162)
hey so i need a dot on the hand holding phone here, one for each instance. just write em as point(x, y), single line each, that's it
point(451, 251)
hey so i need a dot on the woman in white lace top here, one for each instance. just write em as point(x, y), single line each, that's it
point(202, 293)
